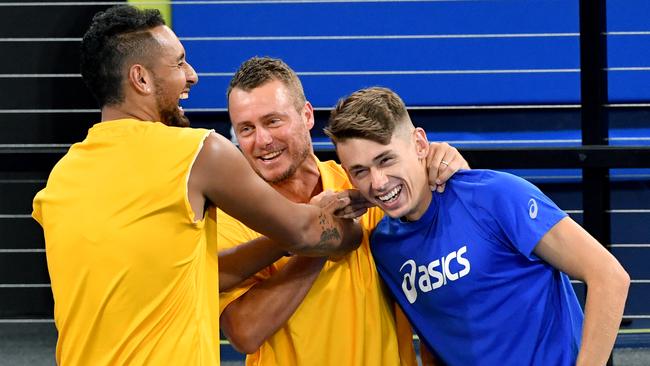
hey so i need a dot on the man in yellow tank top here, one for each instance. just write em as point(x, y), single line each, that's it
point(133, 275)
point(301, 310)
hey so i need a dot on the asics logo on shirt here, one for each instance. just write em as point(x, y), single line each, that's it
point(437, 269)
point(532, 208)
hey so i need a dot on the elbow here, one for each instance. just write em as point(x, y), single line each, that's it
point(241, 337)
point(613, 279)
point(243, 344)
point(623, 279)
point(619, 278)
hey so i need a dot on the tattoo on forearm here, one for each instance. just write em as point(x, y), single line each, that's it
point(329, 232)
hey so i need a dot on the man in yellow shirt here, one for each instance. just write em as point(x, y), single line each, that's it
point(133, 277)
point(300, 310)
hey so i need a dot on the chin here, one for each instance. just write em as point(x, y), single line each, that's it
point(398, 212)
point(174, 118)
point(180, 121)
point(394, 214)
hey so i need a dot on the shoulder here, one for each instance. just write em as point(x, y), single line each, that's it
point(333, 175)
point(330, 166)
point(216, 153)
point(389, 227)
point(177, 132)
point(214, 142)
point(483, 181)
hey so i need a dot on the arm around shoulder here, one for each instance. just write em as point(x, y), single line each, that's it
point(222, 176)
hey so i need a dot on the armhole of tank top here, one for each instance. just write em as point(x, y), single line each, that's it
point(186, 196)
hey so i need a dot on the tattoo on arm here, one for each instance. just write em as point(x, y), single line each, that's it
point(328, 234)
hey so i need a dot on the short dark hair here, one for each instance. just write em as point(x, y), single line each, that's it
point(372, 114)
point(257, 71)
point(115, 36)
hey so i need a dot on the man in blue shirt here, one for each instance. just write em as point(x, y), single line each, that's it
point(481, 269)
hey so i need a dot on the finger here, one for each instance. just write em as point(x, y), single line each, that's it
point(437, 152)
point(337, 204)
point(352, 207)
point(354, 195)
point(351, 214)
point(447, 169)
point(451, 162)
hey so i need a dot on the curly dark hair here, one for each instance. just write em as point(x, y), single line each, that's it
point(115, 36)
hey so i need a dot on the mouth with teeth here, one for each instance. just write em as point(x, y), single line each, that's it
point(391, 196)
point(184, 95)
point(270, 156)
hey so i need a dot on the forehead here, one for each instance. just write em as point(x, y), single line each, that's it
point(355, 152)
point(268, 98)
point(359, 152)
point(169, 44)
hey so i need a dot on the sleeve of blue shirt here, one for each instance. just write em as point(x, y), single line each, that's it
point(515, 211)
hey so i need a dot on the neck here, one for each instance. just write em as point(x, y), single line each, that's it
point(130, 109)
point(422, 206)
point(304, 184)
point(425, 196)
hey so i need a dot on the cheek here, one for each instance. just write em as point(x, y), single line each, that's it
point(361, 184)
point(246, 144)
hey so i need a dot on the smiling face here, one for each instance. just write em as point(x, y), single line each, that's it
point(272, 134)
point(172, 77)
point(392, 176)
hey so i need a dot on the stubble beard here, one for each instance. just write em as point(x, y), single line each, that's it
point(297, 159)
point(168, 110)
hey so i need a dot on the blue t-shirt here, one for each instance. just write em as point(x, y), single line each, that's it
point(466, 276)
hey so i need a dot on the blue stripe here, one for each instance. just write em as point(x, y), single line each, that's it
point(508, 16)
point(629, 86)
point(411, 54)
point(629, 51)
point(628, 15)
point(422, 90)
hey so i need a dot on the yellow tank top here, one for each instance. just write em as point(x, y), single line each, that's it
point(132, 278)
point(346, 319)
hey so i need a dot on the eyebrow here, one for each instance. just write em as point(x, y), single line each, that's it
point(273, 114)
point(375, 159)
point(266, 116)
point(181, 57)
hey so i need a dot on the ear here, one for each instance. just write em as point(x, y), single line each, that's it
point(308, 115)
point(421, 142)
point(140, 79)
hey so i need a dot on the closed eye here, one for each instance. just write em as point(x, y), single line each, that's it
point(359, 173)
point(386, 160)
point(245, 130)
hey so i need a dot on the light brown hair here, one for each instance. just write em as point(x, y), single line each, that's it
point(372, 114)
point(257, 71)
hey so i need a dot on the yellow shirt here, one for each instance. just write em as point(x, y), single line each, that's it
point(130, 270)
point(346, 319)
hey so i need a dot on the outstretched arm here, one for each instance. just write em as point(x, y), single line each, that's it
point(266, 307)
point(238, 263)
point(569, 248)
point(222, 176)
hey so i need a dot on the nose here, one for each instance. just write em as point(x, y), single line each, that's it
point(190, 75)
point(378, 179)
point(263, 136)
